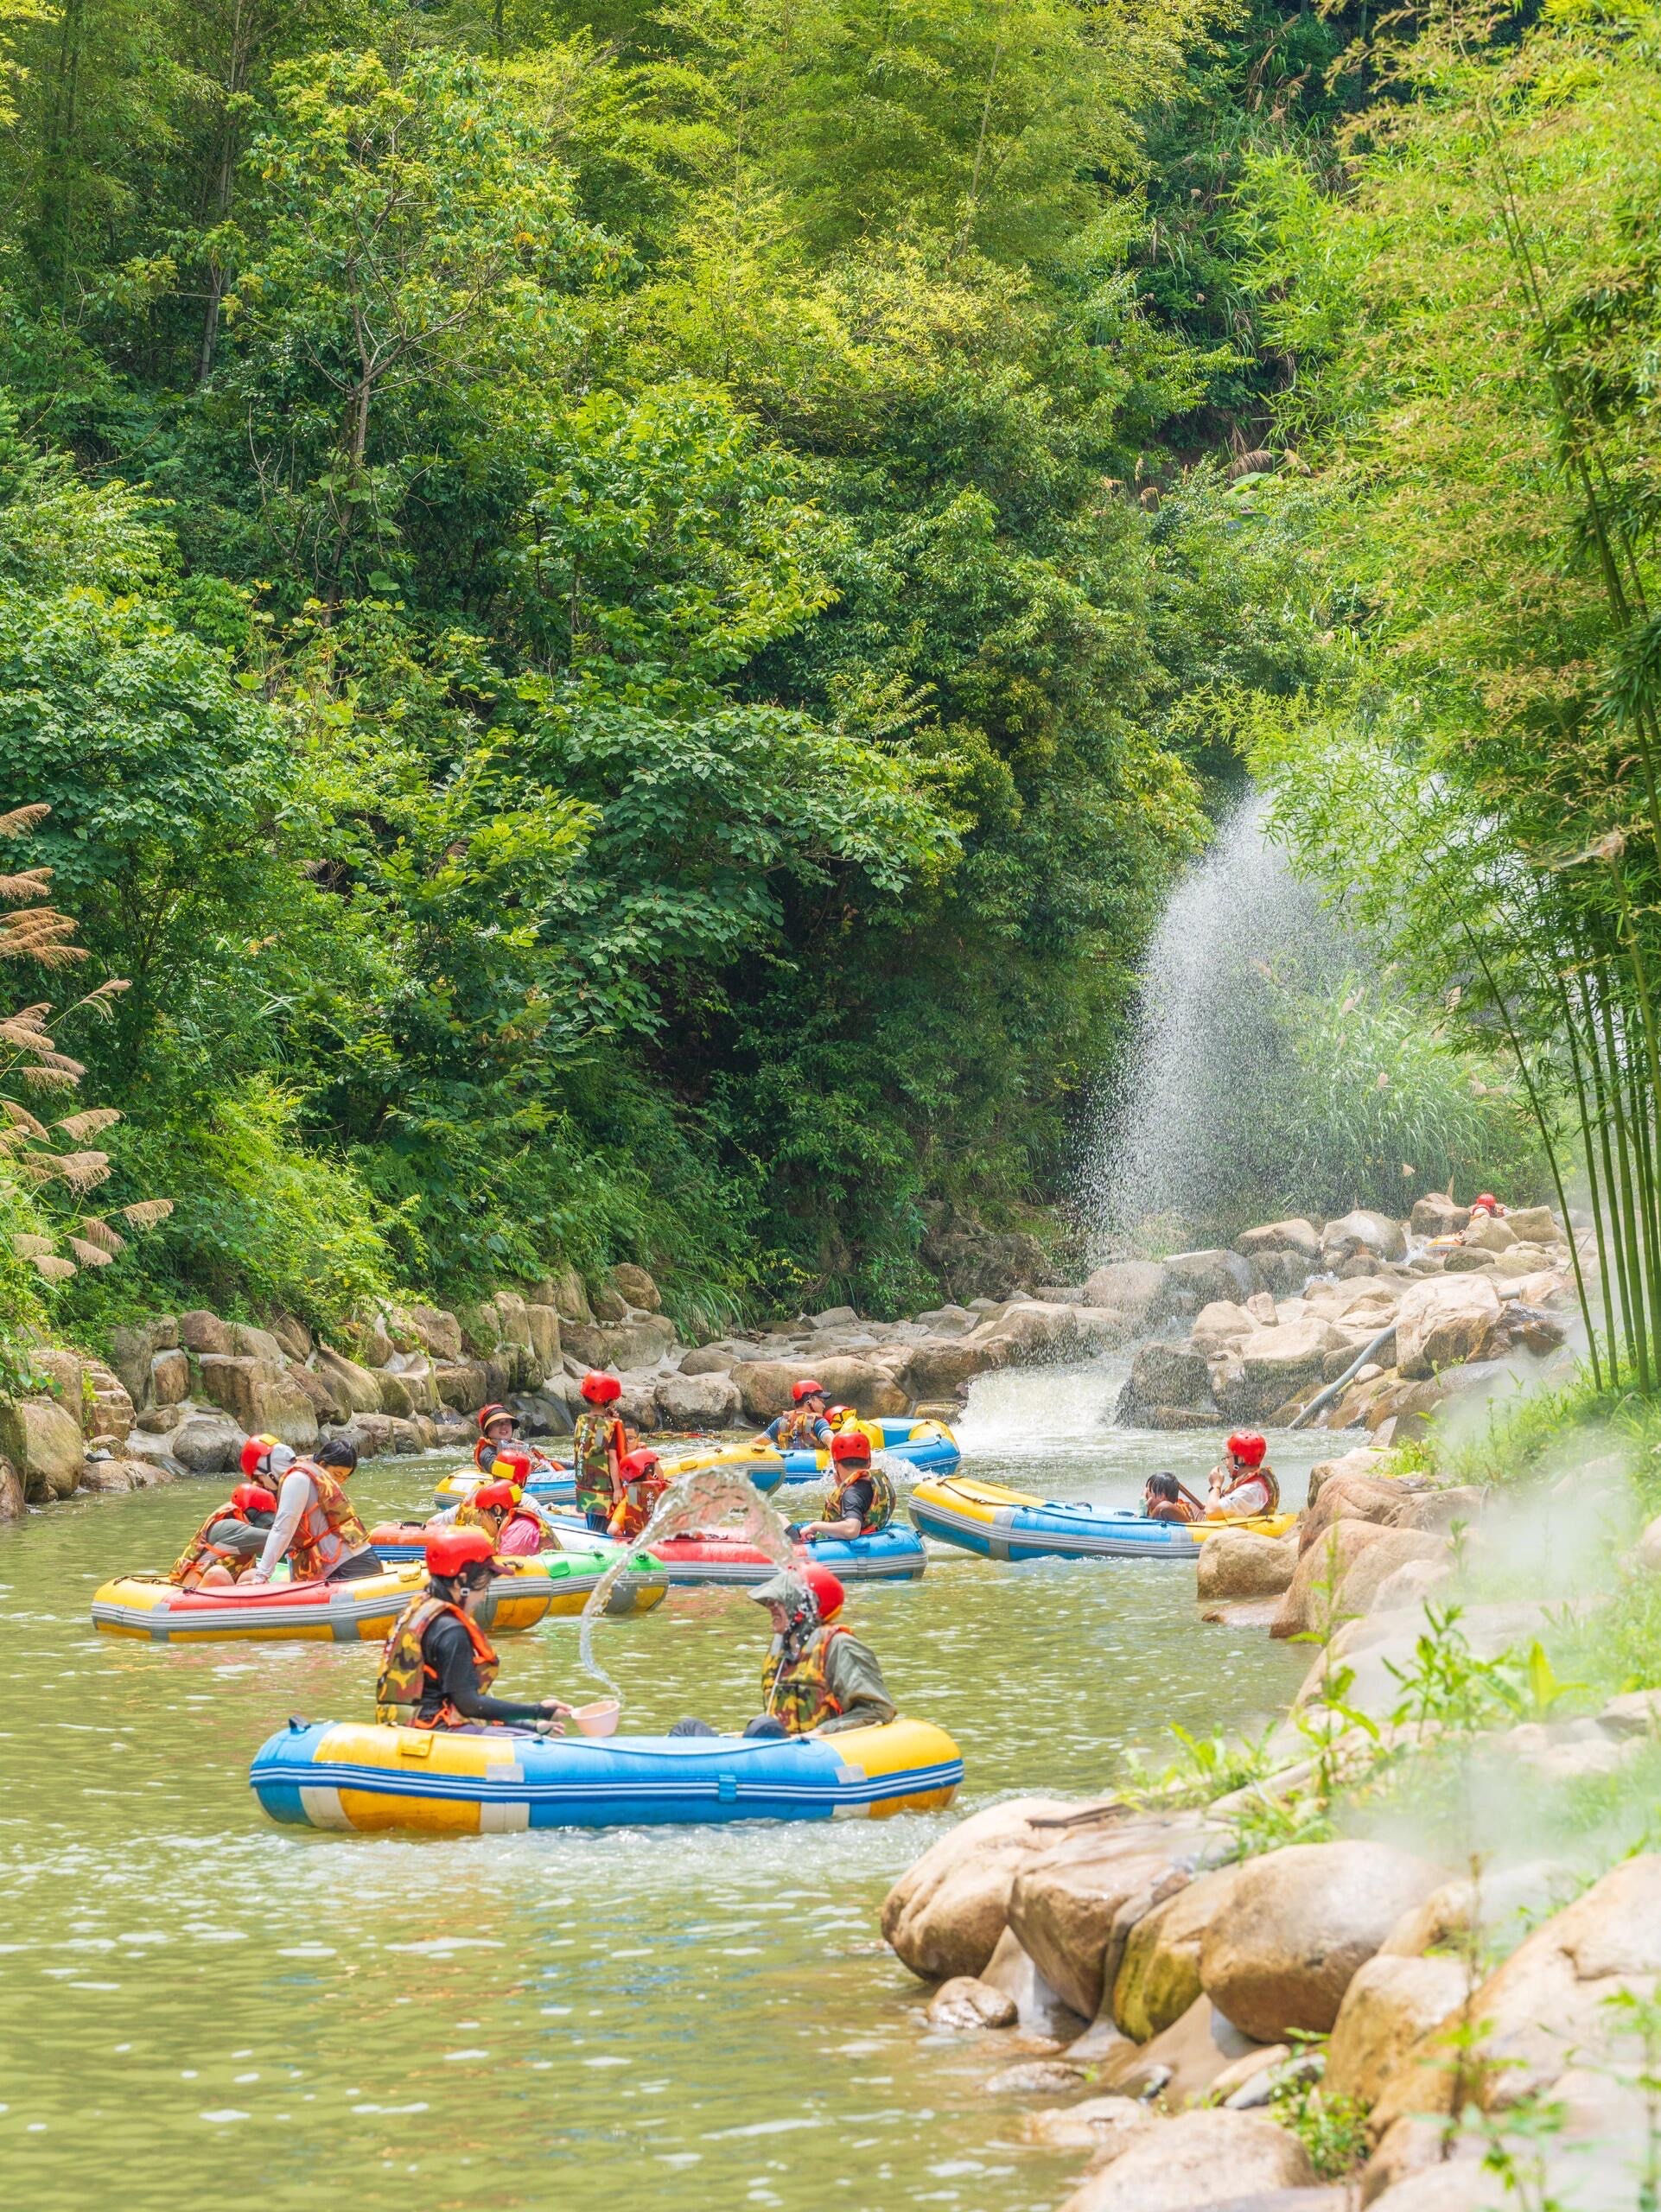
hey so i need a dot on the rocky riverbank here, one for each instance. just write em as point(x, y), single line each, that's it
point(1256, 1332)
point(1217, 2013)
point(177, 1394)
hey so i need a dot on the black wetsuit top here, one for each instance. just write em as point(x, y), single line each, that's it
point(449, 1651)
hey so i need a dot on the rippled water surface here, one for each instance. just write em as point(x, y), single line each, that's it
point(197, 2008)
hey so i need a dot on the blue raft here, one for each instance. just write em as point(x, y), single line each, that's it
point(996, 1523)
point(343, 1776)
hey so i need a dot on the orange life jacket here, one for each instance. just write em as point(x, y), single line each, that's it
point(797, 1432)
point(199, 1554)
point(798, 1692)
point(330, 1512)
point(1265, 1475)
point(405, 1679)
point(635, 1506)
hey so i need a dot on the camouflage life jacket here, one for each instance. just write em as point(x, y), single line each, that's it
point(329, 1513)
point(797, 1691)
point(200, 1553)
point(797, 1431)
point(406, 1680)
point(595, 1433)
point(882, 1501)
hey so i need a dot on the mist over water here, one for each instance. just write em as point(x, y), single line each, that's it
point(1194, 1115)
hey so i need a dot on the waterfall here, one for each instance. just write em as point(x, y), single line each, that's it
point(1194, 1123)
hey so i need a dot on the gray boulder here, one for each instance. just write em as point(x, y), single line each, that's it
point(1210, 1274)
point(696, 1401)
point(1361, 1235)
point(207, 1444)
point(1166, 1378)
point(1135, 1291)
point(44, 1443)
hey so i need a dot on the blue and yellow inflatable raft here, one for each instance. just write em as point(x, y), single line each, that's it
point(340, 1774)
point(997, 1523)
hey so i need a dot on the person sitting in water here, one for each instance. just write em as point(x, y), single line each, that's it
point(437, 1666)
point(816, 1675)
point(860, 1501)
point(228, 1543)
point(1242, 1487)
point(805, 1428)
point(599, 1448)
point(1163, 1498)
point(643, 1485)
point(315, 1528)
point(496, 1508)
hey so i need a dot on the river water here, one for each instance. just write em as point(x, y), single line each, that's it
point(198, 2009)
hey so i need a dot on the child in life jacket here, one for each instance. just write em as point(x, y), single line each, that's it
point(228, 1543)
point(643, 1486)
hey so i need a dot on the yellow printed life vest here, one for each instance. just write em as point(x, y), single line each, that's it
point(798, 1692)
point(405, 1678)
point(882, 1501)
point(329, 1513)
point(796, 1431)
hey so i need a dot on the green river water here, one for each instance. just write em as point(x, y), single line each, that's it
point(199, 2009)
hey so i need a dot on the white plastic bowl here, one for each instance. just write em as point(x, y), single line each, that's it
point(600, 1719)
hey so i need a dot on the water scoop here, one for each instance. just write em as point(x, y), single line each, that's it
point(599, 1719)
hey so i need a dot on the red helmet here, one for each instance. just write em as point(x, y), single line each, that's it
point(489, 1414)
point(1248, 1447)
point(638, 1463)
point(515, 1466)
point(601, 1390)
point(827, 1590)
point(852, 1443)
point(251, 1497)
point(1486, 1203)
point(805, 1389)
point(836, 1414)
point(266, 1455)
point(448, 1550)
point(496, 1497)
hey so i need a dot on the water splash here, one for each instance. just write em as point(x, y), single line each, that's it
point(1196, 1114)
point(694, 1504)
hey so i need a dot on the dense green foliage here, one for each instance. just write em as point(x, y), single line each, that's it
point(625, 612)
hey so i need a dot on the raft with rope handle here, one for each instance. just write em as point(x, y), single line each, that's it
point(345, 1775)
point(282, 1611)
point(997, 1523)
point(895, 1554)
point(572, 1570)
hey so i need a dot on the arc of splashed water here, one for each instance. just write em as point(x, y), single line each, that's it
point(693, 1504)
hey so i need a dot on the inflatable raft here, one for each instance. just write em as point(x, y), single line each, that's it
point(307, 1612)
point(557, 1488)
point(573, 1571)
point(928, 1446)
point(342, 1774)
point(998, 1523)
point(895, 1555)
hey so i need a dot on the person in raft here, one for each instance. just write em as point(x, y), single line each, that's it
point(805, 1428)
point(860, 1501)
point(816, 1674)
point(1243, 1486)
point(499, 1438)
point(1163, 1498)
point(437, 1666)
point(228, 1543)
point(643, 1485)
point(599, 1448)
point(315, 1528)
point(497, 1508)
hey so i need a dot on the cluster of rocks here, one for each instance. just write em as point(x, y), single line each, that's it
point(1293, 1309)
point(1125, 1958)
point(181, 1392)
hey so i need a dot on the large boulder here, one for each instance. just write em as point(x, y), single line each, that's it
point(764, 1385)
point(1442, 1322)
point(1279, 1363)
point(1534, 1225)
point(438, 1329)
point(44, 1443)
point(1436, 1215)
point(1212, 1273)
point(1550, 1998)
point(1301, 1921)
point(461, 1385)
point(945, 1913)
point(1159, 1973)
point(1397, 1548)
point(201, 1332)
point(1295, 1234)
point(135, 1350)
point(1182, 2062)
point(1220, 1327)
point(866, 1387)
point(206, 1444)
point(1488, 1234)
point(13, 1504)
point(1237, 1563)
point(1166, 1379)
point(641, 1341)
point(1074, 1906)
point(107, 1408)
point(1389, 2007)
point(355, 1387)
point(939, 1367)
point(546, 1339)
point(636, 1287)
point(1137, 1291)
point(1197, 2158)
point(169, 1379)
point(1361, 1235)
point(328, 1406)
point(1311, 1599)
point(1365, 1460)
point(699, 1401)
point(259, 1400)
point(1040, 2010)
